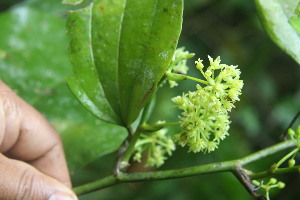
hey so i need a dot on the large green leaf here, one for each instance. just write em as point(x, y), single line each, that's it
point(85, 84)
point(131, 43)
point(34, 62)
point(275, 16)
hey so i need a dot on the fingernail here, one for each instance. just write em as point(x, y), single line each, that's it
point(60, 197)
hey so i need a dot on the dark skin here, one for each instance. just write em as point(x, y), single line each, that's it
point(32, 161)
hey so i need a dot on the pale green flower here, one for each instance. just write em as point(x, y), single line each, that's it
point(157, 146)
point(204, 118)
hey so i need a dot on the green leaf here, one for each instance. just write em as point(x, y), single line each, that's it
point(275, 15)
point(86, 85)
point(148, 41)
point(132, 43)
point(106, 27)
point(81, 94)
point(34, 62)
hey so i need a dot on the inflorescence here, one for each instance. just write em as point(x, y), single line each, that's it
point(204, 118)
point(273, 183)
point(156, 145)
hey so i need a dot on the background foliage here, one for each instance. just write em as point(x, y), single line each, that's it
point(34, 61)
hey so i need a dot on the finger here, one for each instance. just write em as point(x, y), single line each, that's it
point(53, 164)
point(20, 181)
point(28, 136)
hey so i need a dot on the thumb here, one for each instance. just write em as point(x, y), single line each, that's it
point(20, 181)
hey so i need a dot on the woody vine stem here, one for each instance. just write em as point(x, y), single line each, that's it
point(233, 166)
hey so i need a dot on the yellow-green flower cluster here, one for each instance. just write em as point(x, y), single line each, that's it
point(205, 119)
point(178, 64)
point(156, 145)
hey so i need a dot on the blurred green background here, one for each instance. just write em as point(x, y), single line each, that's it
point(34, 61)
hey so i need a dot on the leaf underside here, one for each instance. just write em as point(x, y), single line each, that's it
point(120, 50)
point(275, 16)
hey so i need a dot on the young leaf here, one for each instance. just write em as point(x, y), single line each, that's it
point(275, 17)
point(130, 44)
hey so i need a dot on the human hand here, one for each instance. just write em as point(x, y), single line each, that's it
point(32, 161)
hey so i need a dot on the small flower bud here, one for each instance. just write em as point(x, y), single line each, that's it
point(178, 100)
point(173, 84)
point(208, 73)
point(273, 181)
point(178, 64)
point(199, 64)
point(199, 87)
point(291, 132)
point(175, 77)
point(292, 162)
point(281, 185)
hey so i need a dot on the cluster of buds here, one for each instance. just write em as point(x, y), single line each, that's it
point(178, 64)
point(205, 119)
point(295, 135)
point(272, 183)
point(157, 146)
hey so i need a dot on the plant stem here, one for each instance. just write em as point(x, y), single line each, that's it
point(130, 149)
point(181, 77)
point(155, 127)
point(242, 176)
point(226, 166)
point(96, 185)
point(167, 124)
point(146, 111)
point(275, 167)
point(267, 152)
point(267, 173)
point(131, 145)
point(156, 175)
point(197, 79)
